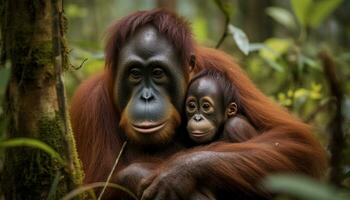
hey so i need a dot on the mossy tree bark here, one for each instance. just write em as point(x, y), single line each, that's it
point(32, 42)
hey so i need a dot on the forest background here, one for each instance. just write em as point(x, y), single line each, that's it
point(296, 51)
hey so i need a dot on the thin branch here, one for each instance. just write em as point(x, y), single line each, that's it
point(57, 34)
point(337, 141)
point(112, 171)
point(81, 64)
point(227, 21)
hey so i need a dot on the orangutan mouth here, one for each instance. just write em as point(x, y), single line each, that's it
point(148, 127)
point(200, 133)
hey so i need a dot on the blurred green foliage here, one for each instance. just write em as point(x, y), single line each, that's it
point(303, 188)
point(313, 12)
point(276, 41)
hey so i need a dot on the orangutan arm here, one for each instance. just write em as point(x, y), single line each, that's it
point(236, 167)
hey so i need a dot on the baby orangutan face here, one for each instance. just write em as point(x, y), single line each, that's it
point(205, 110)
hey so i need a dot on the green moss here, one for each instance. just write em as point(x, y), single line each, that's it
point(52, 132)
point(38, 169)
point(42, 54)
point(34, 63)
point(78, 173)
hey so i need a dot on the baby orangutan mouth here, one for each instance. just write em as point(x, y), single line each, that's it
point(200, 133)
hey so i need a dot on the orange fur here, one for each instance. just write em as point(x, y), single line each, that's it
point(95, 125)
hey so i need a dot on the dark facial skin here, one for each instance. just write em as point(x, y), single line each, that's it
point(151, 86)
point(204, 109)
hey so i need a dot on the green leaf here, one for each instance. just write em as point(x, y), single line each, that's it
point(229, 7)
point(275, 65)
point(303, 188)
point(301, 92)
point(301, 10)
point(54, 185)
point(310, 62)
point(282, 16)
point(256, 46)
point(321, 9)
point(347, 174)
point(82, 189)
point(275, 48)
point(28, 142)
point(240, 38)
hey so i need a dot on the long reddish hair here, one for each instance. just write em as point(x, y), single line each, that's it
point(95, 119)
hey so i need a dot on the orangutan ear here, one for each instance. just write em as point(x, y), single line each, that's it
point(231, 110)
point(192, 63)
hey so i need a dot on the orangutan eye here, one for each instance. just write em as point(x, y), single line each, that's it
point(191, 107)
point(135, 75)
point(207, 108)
point(158, 73)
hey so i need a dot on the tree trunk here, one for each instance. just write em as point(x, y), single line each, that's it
point(337, 142)
point(35, 102)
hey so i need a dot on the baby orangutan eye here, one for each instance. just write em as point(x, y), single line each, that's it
point(191, 107)
point(207, 108)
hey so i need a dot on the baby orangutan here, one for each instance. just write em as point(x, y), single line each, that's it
point(213, 111)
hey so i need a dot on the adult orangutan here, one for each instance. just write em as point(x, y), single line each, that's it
point(139, 98)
